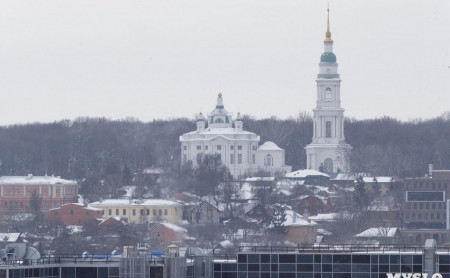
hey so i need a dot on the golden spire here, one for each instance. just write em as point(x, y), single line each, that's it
point(328, 33)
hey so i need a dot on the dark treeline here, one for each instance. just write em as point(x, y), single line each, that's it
point(101, 148)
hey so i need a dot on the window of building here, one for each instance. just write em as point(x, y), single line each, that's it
point(239, 158)
point(154, 211)
point(253, 158)
point(328, 165)
point(10, 191)
point(6, 204)
point(219, 121)
point(328, 96)
point(134, 211)
point(110, 211)
point(433, 206)
point(148, 212)
point(158, 234)
point(432, 215)
point(58, 191)
point(421, 205)
point(160, 211)
point(15, 191)
point(21, 191)
point(219, 147)
point(21, 205)
point(184, 147)
point(124, 212)
point(415, 205)
point(268, 160)
point(55, 213)
point(206, 148)
point(438, 215)
point(413, 215)
point(254, 147)
point(165, 211)
point(199, 148)
point(184, 157)
point(88, 213)
point(427, 206)
point(117, 211)
point(142, 211)
point(328, 129)
point(231, 158)
point(419, 215)
point(199, 158)
point(231, 147)
point(240, 148)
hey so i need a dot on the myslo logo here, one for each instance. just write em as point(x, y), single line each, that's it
point(412, 275)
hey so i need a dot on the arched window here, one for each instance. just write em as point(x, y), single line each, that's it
point(328, 129)
point(268, 160)
point(328, 165)
point(328, 96)
point(219, 121)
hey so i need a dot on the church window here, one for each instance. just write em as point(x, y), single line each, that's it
point(117, 211)
point(239, 148)
point(254, 148)
point(184, 147)
point(231, 147)
point(219, 147)
point(268, 160)
point(199, 148)
point(328, 165)
point(328, 129)
point(219, 121)
point(328, 96)
point(253, 159)
point(240, 158)
point(231, 158)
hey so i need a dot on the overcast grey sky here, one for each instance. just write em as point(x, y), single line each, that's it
point(151, 59)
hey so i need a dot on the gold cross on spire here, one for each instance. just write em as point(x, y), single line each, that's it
point(328, 33)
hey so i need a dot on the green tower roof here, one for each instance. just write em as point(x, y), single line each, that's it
point(328, 57)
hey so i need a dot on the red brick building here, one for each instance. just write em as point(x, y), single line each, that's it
point(166, 233)
point(310, 205)
point(16, 192)
point(75, 214)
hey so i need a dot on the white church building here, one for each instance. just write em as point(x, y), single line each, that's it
point(239, 150)
point(328, 151)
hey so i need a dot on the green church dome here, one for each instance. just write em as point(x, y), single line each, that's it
point(328, 57)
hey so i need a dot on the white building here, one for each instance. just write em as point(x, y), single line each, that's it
point(328, 151)
point(239, 150)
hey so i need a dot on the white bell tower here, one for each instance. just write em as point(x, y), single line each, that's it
point(328, 151)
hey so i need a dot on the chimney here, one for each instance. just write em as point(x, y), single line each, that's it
point(430, 169)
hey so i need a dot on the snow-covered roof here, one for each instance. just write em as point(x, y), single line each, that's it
point(379, 179)
point(34, 180)
point(219, 131)
point(323, 199)
point(171, 226)
point(9, 237)
point(87, 207)
point(260, 179)
point(324, 232)
point(134, 202)
point(329, 216)
point(295, 219)
point(269, 146)
point(378, 232)
point(74, 229)
point(305, 173)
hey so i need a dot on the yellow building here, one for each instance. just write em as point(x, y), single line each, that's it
point(141, 211)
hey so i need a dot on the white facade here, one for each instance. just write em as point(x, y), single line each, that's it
point(328, 151)
point(239, 150)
